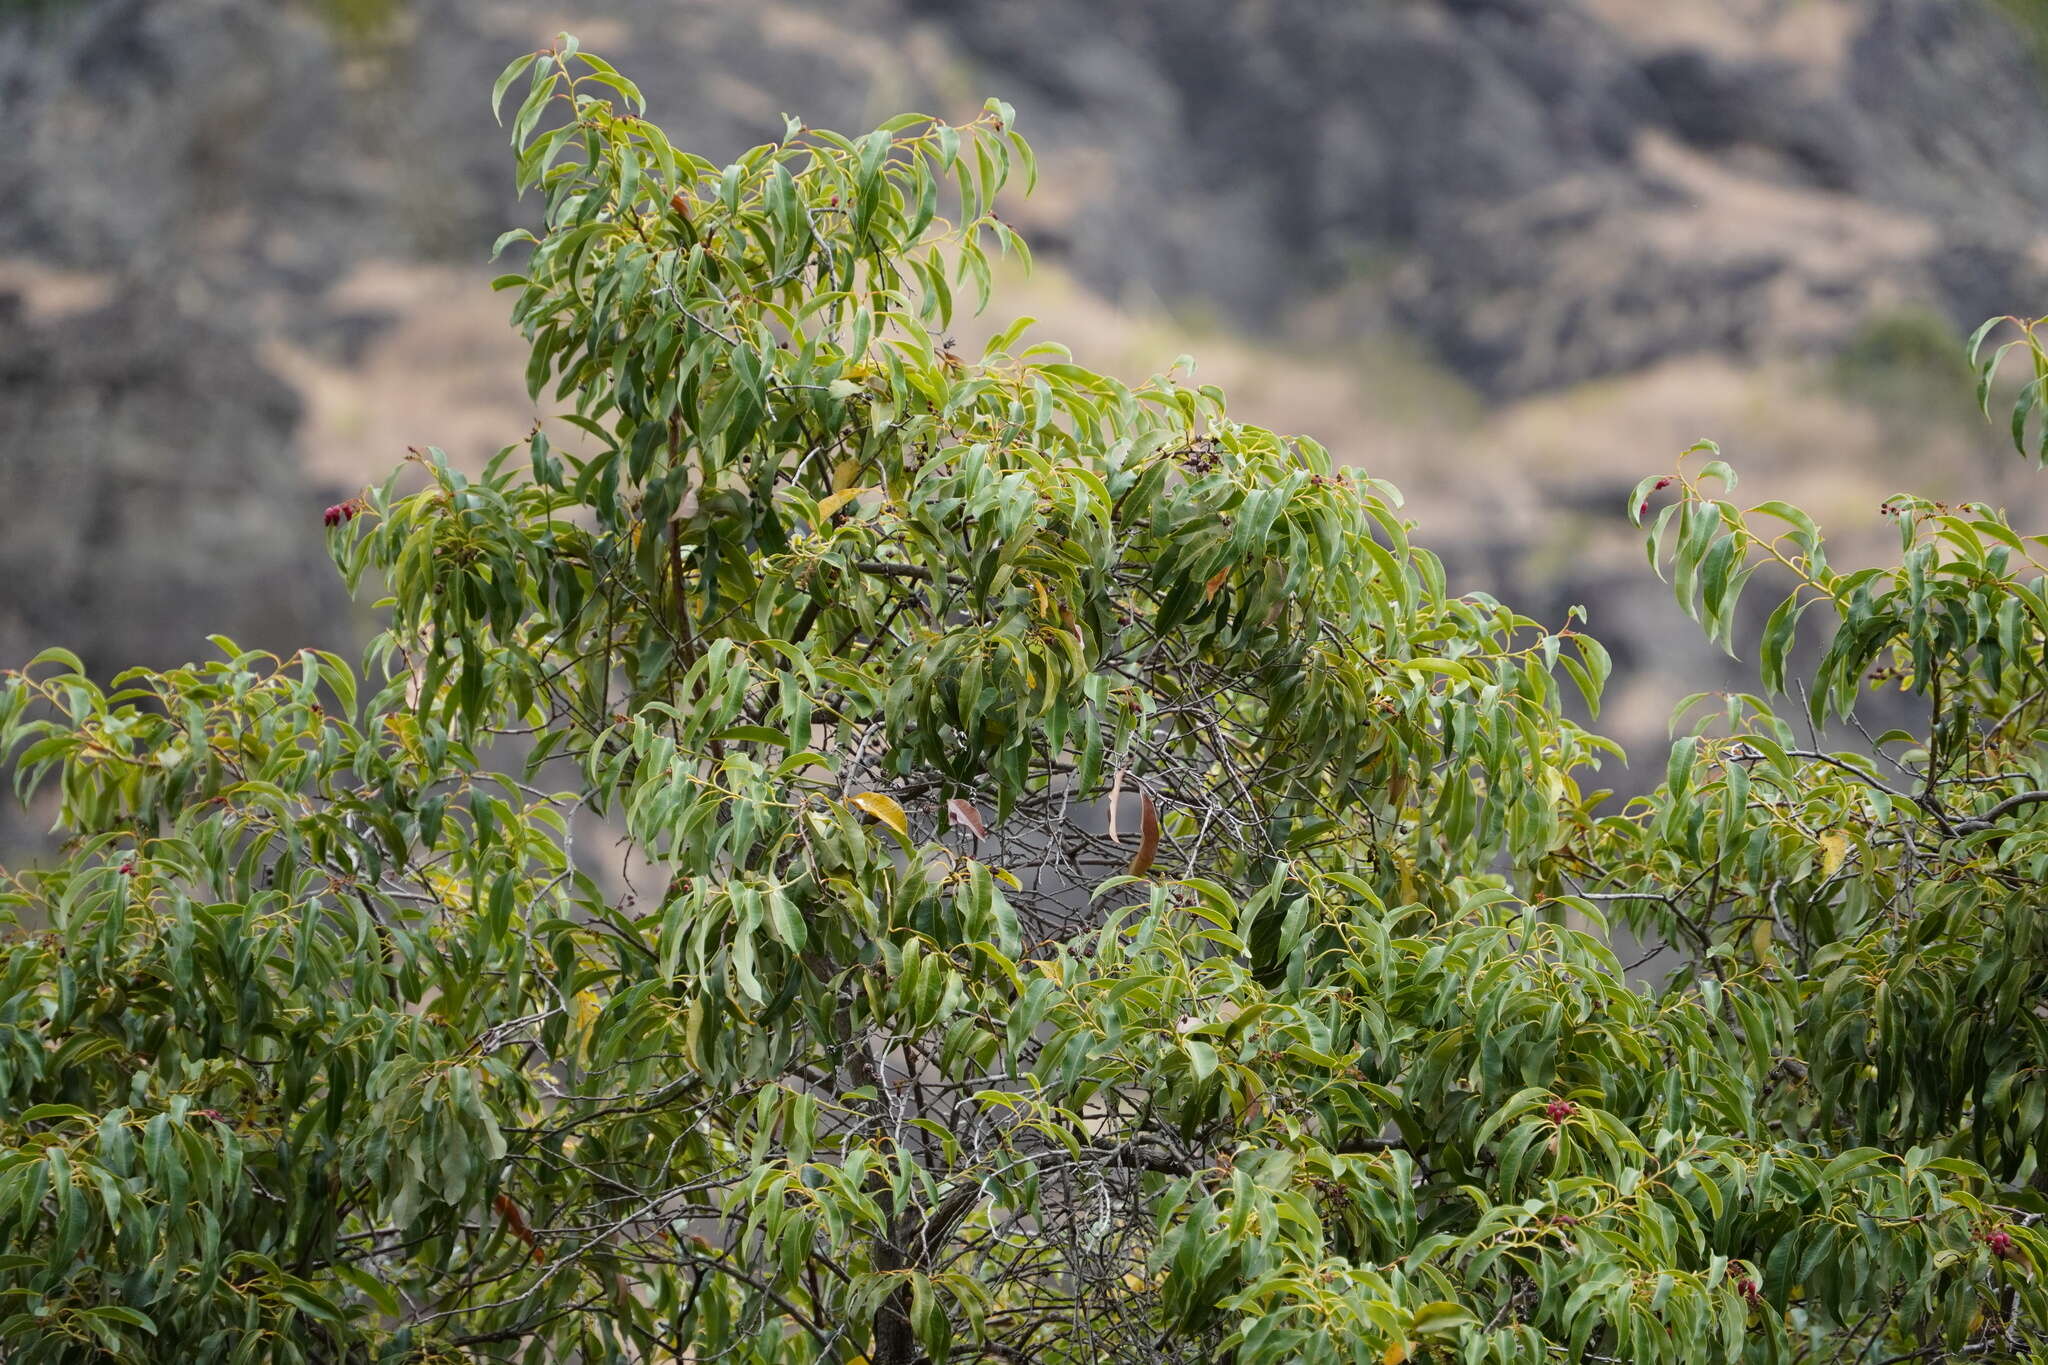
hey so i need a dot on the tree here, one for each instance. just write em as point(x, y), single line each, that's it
point(870, 854)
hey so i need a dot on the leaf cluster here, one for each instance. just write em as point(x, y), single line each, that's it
point(849, 851)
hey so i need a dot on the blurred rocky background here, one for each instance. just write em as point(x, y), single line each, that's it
point(1510, 254)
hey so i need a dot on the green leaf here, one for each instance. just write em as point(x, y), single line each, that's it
point(43, 1113)
point(129, 1317)
point(1442, 1318)
point(510, 74)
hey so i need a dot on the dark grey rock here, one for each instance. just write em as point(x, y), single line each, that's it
point(151, 496)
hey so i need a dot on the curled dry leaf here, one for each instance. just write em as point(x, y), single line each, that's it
point(1148, 837)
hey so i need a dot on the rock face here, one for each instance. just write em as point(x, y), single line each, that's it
point(150, 492)
point(1544, 191)
point(1552, 191)
point(217, 210)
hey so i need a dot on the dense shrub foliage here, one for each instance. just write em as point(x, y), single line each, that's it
point(854, 851)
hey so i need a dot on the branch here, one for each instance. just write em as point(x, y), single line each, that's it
point(883, 570)
point(1144, 1156)
point(912, 1241)
point(1369, 1146)
point(1980, 823)
point(867, 566)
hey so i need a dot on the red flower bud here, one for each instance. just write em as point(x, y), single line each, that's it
point(1749, 1290)
point(1999, 1241)
point(128, 868)
point(1661, 484)
point(331, 517)
point(1560, 1110)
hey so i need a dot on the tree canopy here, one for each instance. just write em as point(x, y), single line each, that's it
point(852, 851)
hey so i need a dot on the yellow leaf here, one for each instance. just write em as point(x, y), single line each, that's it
point(1834, 850)
point(1410, 892)
point(883, 808)
point(1134, 1283)
point(1760, 937)
point(832, 502)
point(1006, 877)
point(1396, 1352)
point(587, 1008)
point(844, 473)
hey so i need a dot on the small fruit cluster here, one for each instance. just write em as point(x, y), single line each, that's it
point(1998, 1242)
point(1200, 456)
point(1560, 1110)
point(1898, 508)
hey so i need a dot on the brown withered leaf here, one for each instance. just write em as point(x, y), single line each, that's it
point(515, 1223)
point(1148, 837)
point(963, 811)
